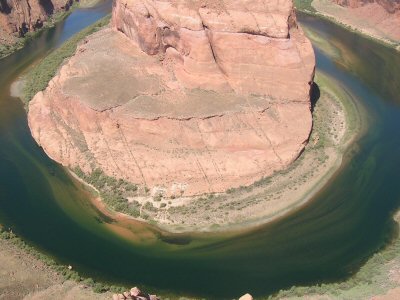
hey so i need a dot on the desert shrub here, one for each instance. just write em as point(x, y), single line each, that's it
point(158, 198)
point(100, 287)
point(149, 207)
point(112, 191)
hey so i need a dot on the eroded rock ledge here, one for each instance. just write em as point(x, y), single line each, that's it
point(190, 97)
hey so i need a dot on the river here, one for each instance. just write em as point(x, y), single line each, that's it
point(326, 240)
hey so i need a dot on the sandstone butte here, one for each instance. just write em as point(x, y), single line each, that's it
point(384, 15)
point(188, 97)
point(18, 17)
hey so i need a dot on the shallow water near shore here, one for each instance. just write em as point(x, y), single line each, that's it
point(326, 240)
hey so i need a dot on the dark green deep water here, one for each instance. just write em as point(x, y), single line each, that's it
point(327, 240)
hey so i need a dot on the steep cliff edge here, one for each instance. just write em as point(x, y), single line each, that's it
point(188, 97)
point(17, 17)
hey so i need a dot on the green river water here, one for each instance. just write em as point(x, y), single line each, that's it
point(326, 240)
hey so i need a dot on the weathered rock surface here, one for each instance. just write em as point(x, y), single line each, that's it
point(17, 17)
point(135, 294)
point(244, 46)
point(190, 96)
point(246, 297)
point(384, 15)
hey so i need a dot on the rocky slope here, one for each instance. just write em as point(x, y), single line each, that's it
point(17, 17)
point(184, 97)
point(379, 18)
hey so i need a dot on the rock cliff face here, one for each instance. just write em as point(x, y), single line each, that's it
point(241, 46)
point(391, 6)
point(187, 97)
point(17, 17)
point(380, 18)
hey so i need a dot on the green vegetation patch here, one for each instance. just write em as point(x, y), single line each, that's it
point(114, 192)
point(38, 77)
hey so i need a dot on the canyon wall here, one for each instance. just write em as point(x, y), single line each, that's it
point(391, 6)
point(17, 17)
point(187, 97)
point(377, 18)
point(241, 46)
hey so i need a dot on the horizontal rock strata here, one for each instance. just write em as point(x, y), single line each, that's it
point(190, 97)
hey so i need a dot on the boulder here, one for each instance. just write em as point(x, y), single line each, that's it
point(135, 292)
point(246, 297)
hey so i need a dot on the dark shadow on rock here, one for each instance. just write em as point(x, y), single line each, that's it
point(5, 7)
point(47, 6)
point(315, 94)
point(23, 29)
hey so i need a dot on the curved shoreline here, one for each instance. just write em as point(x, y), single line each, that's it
point(265, 201)
point(351, 109)
point(343, 163)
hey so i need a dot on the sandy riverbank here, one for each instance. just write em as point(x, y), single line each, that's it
point(337, 122)
point(355, 20)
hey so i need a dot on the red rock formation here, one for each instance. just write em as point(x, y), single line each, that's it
point(20, 16)
point(243, 46)
point(192, 96)
point(381, 18)
point(391, 6)
point(134, 294)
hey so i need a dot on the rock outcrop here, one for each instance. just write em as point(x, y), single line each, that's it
point(187, 96)
point(380, 18)
point(246, 297)
point(134, 294)
point(240, 46)
point(137, 294)
point(17, 17)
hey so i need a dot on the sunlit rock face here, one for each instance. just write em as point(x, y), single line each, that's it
point(189, 97)
point(390, 6)
point(241, 46)
point(17, 17)
point(381, 15)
